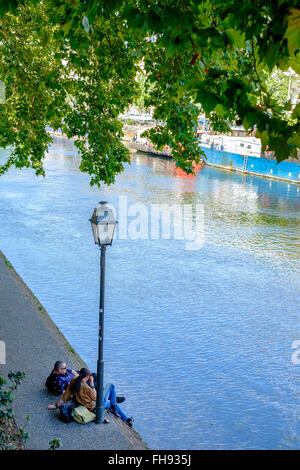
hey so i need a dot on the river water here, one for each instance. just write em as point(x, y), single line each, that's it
point(199, 341)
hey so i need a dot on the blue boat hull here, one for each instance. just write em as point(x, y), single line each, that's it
point(289, 171)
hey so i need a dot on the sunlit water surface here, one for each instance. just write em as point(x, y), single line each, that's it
point(200, 341)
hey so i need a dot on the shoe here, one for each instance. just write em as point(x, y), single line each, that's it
point(130, 421)
point(113, 411)
point(120, 399)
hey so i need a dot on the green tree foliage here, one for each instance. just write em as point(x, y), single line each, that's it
point(31, 68)
point(73, 64)
point(11, 436)
point(54, 444)
point(2, 92)
point(79, 83)
point(283, 86)
point(141, 92)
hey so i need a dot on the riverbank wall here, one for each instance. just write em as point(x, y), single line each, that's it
point(33, 342)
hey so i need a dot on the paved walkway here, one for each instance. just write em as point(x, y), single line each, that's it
point(33, 344)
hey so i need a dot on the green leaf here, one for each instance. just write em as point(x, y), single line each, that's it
point(220, 110)
point(296, 112)
point(295, 140)
point(292, 31)
point(236, 37)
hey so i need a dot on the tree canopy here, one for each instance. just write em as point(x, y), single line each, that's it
point(73, 65)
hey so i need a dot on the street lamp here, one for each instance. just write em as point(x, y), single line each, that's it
point(103, 223)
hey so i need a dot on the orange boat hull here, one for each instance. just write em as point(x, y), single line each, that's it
point(178, 172)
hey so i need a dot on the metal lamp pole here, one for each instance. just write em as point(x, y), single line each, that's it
point(103, 225)
point(100, 362)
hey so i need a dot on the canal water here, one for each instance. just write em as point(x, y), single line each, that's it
point(203, 343)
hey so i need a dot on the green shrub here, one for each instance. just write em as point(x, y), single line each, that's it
point(55, 444)
point(11, 436)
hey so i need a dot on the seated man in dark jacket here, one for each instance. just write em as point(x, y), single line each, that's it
point(60, 377)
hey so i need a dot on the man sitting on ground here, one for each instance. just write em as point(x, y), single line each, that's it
point(60, 377)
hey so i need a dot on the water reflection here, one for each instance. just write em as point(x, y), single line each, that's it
point(240, 212)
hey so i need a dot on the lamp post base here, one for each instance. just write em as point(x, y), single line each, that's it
point(99, 401)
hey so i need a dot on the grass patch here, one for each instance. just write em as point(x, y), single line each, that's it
point(8, 264)
point(70, 349)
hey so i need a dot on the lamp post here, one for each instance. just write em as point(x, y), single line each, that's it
point(103, 225)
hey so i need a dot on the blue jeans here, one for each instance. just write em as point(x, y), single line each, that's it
point(110, 399)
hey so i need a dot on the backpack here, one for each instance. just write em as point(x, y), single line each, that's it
point(50, 384)
point(65, 414)
point(82, 415)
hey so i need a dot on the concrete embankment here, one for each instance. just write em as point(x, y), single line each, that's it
point(33, 343)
